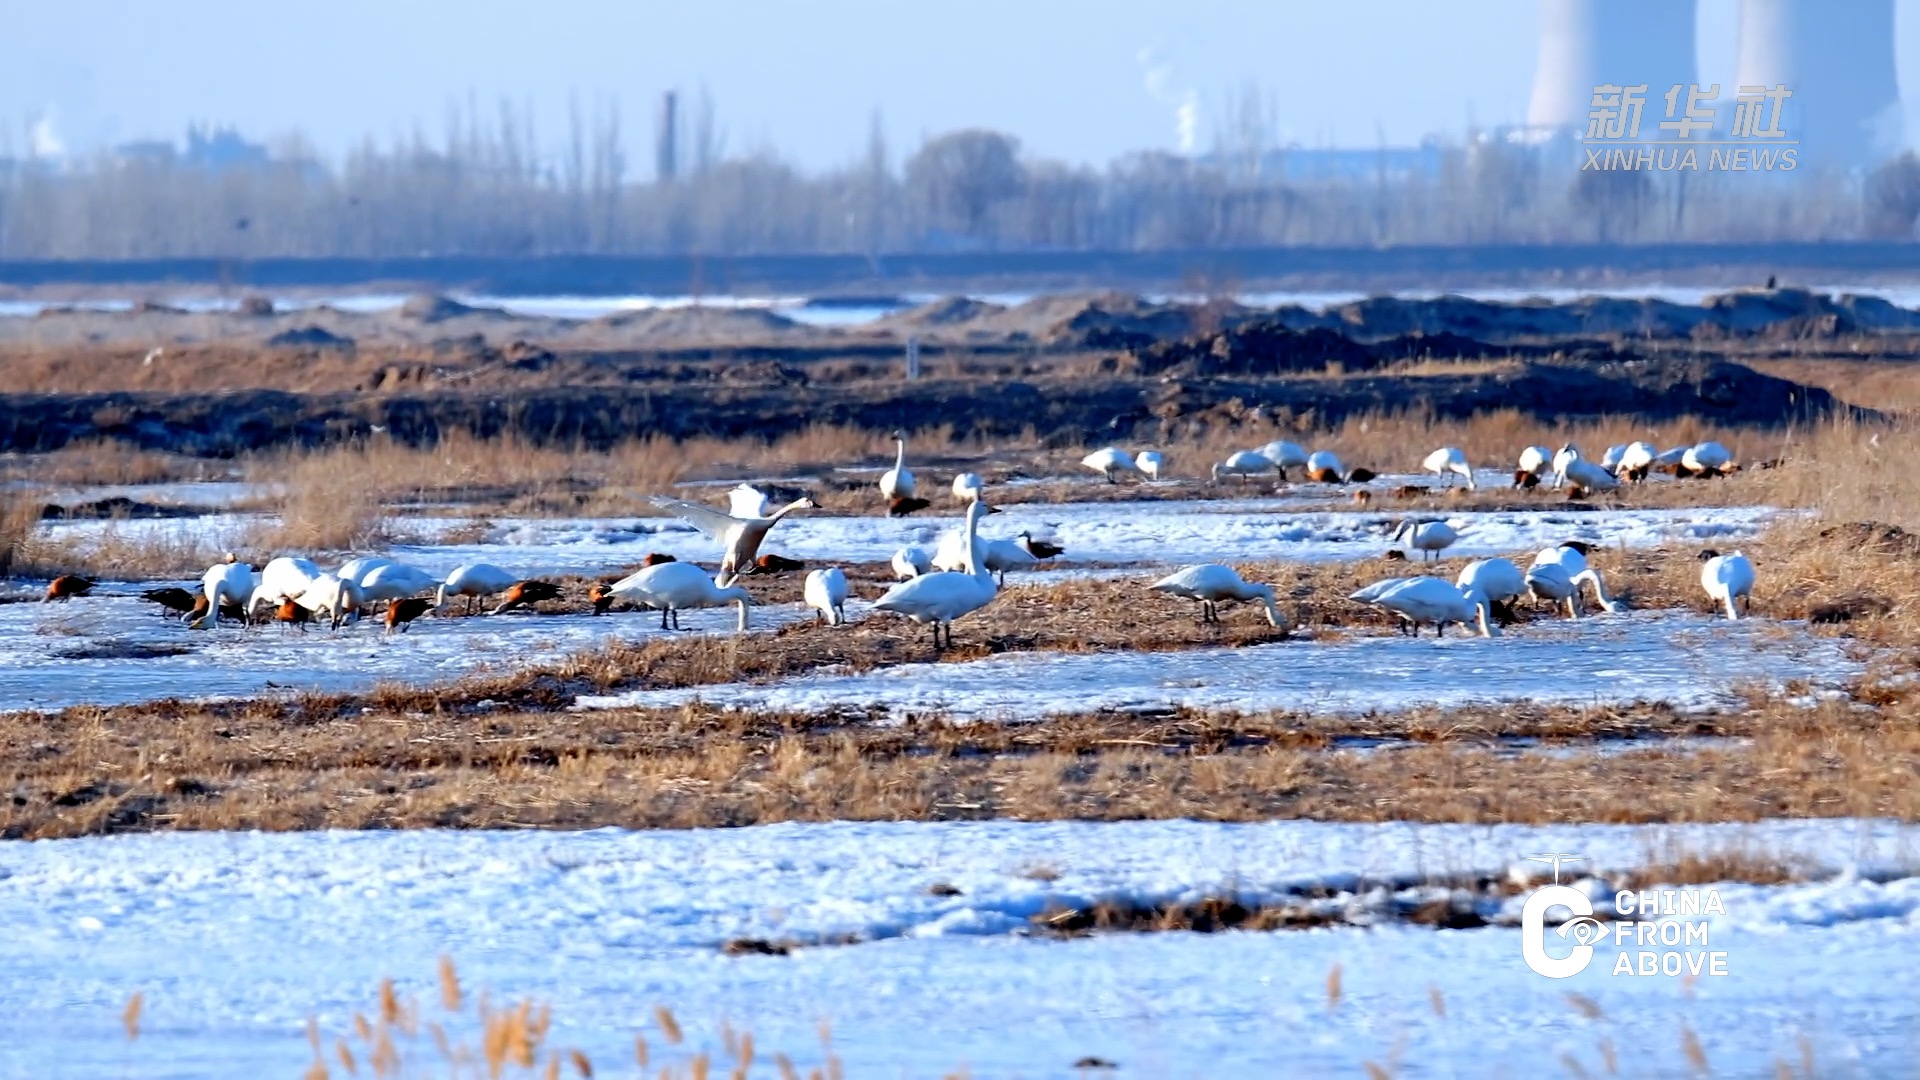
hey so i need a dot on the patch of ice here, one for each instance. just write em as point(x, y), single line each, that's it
point(1688, 660)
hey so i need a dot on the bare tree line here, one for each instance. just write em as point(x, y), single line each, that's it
point(486, 188)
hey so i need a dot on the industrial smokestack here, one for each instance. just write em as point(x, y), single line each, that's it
point(666, 150)
point(1837, 61)
point(1587, 43)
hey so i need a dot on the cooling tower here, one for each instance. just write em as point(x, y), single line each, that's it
point(1837, 59)
point(1584, 43)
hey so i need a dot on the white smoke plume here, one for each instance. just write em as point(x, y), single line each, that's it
point(1159, 81)
point(43, 140)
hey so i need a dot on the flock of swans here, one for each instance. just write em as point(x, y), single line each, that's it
point(966, 570)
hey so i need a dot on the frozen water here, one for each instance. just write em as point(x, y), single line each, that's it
point(236, 939)
point(1688, 660)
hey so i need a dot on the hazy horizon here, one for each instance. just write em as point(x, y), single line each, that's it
point(1077, 81)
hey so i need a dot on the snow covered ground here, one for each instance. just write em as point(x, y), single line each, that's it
point(1688, 660)
point(236, 939)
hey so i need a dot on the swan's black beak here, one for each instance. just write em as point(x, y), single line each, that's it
point(993, 509)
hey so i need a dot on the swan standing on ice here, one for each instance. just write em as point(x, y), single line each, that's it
point(1149, 462)
point(473, 581)
point(1727, 578)
point(1498, 580)
point(968, 486)
point(740, 536)
point(676, 585)
point(392, 582)
point(357, 570)
point(1534, 462)
point(826, 592)
point(940, 598)
point(1570, 559)
point(1426, 537)
point(897, 482)
point(1432, 600)
point(747, 501)
point(229, 582)
point(1110, 461)
point(1212, 583)
point(284, 578)
point(333, 597)
point(1448, 461)
point(1243, 463)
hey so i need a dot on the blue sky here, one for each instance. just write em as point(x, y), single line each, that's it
point(1074, 79)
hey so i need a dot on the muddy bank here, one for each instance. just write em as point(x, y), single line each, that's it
point(1066, 412)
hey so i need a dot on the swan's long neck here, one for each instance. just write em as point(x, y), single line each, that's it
point(1733, 608)
point(440, 597)
point(900, 455)
point(1265, 595)
point(1467, 471)
point(976, 556)
point(741, 602)
point(1599, 591)
point(797, 504)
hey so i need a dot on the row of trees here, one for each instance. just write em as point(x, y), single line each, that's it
point(488, 190)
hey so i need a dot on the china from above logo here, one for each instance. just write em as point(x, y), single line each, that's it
point(1670, 939)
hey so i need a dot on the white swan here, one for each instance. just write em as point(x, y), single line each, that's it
point(826, 592)
point(393, 581)
point(1378, 589)
point(747, 501)
point(1212, 583)
point(1426, 537)
point(968, 486)
point(940, 598)
point(1285, 455)
point(1550, 582)
point(1570, 560)
point(1580, 472)
point(284, 578)
point(1534, 462)
point(225, 583)
point(1242, 463)
point(1706, 459)
point(1727, 578)
point(1567, 452)
point(910, 562)
point(1150, 462)
point(1447, 461)
point(1110, 461)
point(356, 570)
point(1496, 579)
point(1610, 460)
point(472, 581)
point(997, 556)
point(897, 482)
point(741, 537)
point(677, 585)
point(1324, 466)
point(1636, 461)
point(332, 596)
point(1434, 600)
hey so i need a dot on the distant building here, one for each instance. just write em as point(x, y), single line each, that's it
point(212, 149)
point(1301, 165)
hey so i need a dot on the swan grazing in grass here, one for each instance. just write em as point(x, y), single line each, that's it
point(1426, 537)
point(826, 593)
point(1705, 459)
point(940, 598)
point(968, 486)
point(1583, 474)
point(910, 562)
point(1496, 579)
point(284, 578)
point(741, 537)
point(1567, 452)
point(333, 597)
point(1150, 463)
point(677, 585)
point(473, 581)
point(392, 582)
point(1636, 461)
point(1243, 463)
point(897, 482)
point(1447, 462)
point(1109, 461)
point(1212, 583)
point(1432, 600)
point(1534, 462)
point(747, 501)
point(226, 583)
point(1569, 561)
point(1285, 455)
point(1727, 578)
